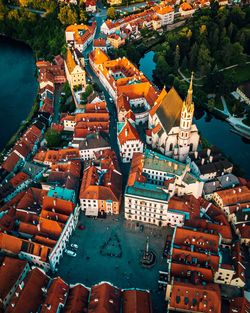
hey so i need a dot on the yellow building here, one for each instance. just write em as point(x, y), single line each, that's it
point(116, 41)
point(74, 69)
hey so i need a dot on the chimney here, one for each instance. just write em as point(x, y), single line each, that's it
point(227, 178)
point(126, 132)
point(208, 152)
point(240, 190)
point(54, 202)
point(38, 227)
point(202, 161)
point(196, 154)
point(211, 159)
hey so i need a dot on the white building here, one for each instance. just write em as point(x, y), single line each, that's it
point(153, 180)
point(90, 145)
point(129, 141)
point(166, 15)
point(171, 130)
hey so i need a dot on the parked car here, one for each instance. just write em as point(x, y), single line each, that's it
point(70, 253)
point(74, 246)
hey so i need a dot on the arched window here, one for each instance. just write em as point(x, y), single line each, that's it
point(171, 147)
point(191, 147)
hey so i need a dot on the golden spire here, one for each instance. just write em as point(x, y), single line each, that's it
point(189, 99)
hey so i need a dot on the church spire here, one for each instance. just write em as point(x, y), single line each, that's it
point(189, 99)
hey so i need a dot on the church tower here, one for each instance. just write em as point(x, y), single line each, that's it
point(187, 112)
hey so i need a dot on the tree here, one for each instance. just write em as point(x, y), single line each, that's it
point(67, 15)
point(111, 13)
point(193, 56)
point(162, 70)
point(204, 60)
point(177, 57)
point(53, 138)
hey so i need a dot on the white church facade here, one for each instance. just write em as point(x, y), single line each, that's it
point(170, 126)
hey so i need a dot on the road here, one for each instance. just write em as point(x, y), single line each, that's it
point(39, 12)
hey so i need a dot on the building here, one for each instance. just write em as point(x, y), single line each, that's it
point(171, 130)
point(75, 72)
point(243, 92)
point(166, 14)
point(116, 41)
point(100, 43)
point(30, 293)
point(80, 36)
point(199, 256)
point(239, 305)
point(93, 143)
point(12, 273)
point(101, 188)
point(128, 141)
point(209, 163)
point(186, 10)
point(43, 228)
point(153, 180)
point(49, 157)
point(37, 292)
point(128, 87)
point(90, 6)
point(191, 298)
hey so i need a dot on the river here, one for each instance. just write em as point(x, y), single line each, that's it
point(216, 131)
point(18, 86)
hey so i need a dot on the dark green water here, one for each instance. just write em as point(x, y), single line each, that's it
point(216, 131)
point(18, 86)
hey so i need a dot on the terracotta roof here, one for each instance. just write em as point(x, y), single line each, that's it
point(239, 305)
point(136, 301)
point(18, 179)
point(70, 61)
point(164, 10)
point(100, 42)
point(234, 195)
point(128, 133)
point(186, 6)
point(30, 297)
point(195, 298)
point(11, 161)
point(185, 236)
point(77, 300)
point(56, 296)
point(10, 271)
point(104, 298)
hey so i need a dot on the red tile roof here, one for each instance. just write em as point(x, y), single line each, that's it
point(77, 300)
point(104, 298)
point(136, 301)
point(187, 297)
point(56, 296)
point(10, 271)
point(29, 298)
point(128, 133)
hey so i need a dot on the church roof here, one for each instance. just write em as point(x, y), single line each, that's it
point(169, 111)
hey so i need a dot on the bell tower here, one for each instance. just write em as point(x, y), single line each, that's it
point(186, 121)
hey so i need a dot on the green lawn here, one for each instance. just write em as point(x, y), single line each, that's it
point(239, 74)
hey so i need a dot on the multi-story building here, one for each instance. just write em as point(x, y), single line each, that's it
point(80, 36)
point(116, 41)
point(166, 14)
point(171, 130)
point(37, 292)
point(12, 273)
point(101, 188)
point(188, 297)
point(42, 236)
point(127, 86)
point(199, 256)
point(128, 141)
point(209, 163)
point(49, 157)
point(75, 72)
point(152, 181)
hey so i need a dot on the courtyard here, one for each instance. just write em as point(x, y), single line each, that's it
point(110, 250)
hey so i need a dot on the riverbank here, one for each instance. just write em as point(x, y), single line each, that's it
point(19, 89)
